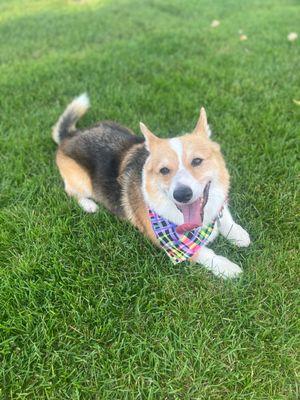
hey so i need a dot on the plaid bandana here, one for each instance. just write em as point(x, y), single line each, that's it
point(179, 247)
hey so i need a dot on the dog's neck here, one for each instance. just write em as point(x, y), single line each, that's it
point(166, 208)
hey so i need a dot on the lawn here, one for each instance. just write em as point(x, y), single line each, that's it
point(89, 309)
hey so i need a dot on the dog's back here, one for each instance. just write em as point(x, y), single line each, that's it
point(90, 161)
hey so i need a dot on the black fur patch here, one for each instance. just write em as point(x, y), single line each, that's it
point(65, 124)
point(100, 150)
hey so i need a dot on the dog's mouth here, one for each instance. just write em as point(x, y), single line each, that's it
point(193, 213)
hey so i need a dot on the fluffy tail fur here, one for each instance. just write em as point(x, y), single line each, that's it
point(65, 126)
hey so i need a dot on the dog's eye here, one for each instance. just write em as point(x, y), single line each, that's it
point(196, 162)
point(164, 171)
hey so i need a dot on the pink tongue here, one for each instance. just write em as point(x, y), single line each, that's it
point(191, 216)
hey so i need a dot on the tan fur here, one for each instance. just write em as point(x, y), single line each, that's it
point(201, 127)
point(138, 215)
point(76, 179)
point(195, 144)
point(162, 155)
point(204, 148)
point(127, 159)
point(133, 202)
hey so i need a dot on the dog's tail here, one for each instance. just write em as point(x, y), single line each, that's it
point(65, 126)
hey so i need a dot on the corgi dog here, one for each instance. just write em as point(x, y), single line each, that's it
point(173, 190)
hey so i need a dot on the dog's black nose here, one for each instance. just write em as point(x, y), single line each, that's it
point(183, 194)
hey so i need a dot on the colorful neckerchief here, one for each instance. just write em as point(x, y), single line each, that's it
point(179, 247)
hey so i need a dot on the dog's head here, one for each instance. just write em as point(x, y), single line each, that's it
point(186, 173)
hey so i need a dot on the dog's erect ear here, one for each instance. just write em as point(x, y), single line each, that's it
point(202, 127)
point(150, 138)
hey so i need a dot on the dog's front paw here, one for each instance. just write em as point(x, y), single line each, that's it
point(239, 236)
point(224, 268)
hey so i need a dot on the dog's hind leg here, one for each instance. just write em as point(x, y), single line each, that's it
point(77, 182)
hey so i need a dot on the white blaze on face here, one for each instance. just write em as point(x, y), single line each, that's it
point(183, 177)
point(176, 145)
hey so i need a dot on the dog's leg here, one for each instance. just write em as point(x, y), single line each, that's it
point(232, 231)
point(77, 182)
point(218, 265)
point(87, 204)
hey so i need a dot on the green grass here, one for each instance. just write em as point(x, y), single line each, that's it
point(89, 308)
